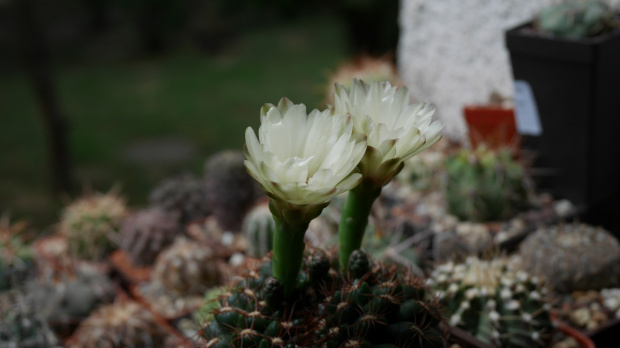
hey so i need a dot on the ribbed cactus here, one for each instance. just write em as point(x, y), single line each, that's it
point(187, 268)
point(16, 259)
point(231, 191)
point(91, 225)
point(147, 232)
point(484, 185)
point(494, 302)
point(121, 324)
point(375, 307)
point(572, 257)
point(258, 227)
point(184, 195)
point(576, 18)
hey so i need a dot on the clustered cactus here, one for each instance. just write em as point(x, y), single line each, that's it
point(572, 257)
point(494, 302)
point(147, 232)
point(187, 268)
point(231, 191)
point(258, 227)
point(121, 324)
point(15, 257)
point(184, 195)
point(372, 307)
point(484, 185)
point(577, 18)
point(91, 225)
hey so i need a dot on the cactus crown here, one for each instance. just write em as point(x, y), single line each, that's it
point(91, 225)
point(184, 195)
point(258, 227)
point(576, 18)
point(572, 257)
point(494, 302)
point(484, 185)
point(376, 305)
point(15, 256)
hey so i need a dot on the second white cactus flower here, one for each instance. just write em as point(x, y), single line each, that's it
point(303, 159)
point(396, 130)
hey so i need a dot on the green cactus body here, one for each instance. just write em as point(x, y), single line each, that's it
point(572, 257)
point(187, 268)
point(16, 260)
point(258, 227)
point(231, 191)
point(183, 195)
point(121, 324)
point(484, 185)
point(146, 233)
point(576, 19)
point(91, 225)
point(494, 302)
point(375, 307)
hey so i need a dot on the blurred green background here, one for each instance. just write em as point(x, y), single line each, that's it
point(151, 88)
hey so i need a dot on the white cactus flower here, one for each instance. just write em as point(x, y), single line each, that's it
point(396, 129)
point(303, 159)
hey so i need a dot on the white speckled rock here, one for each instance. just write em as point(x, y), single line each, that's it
point(452, 53)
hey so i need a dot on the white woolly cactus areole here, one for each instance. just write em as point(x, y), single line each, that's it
point(493, 301)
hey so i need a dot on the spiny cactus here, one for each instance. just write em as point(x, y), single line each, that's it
point(375, 306)
point(91, 225)
point(184, 195)
point(258, 227)
point(187, 268)
point(72, 297)
point(484, 185)
point(572, 257)
point(577, 18)
point(494, 302)
point(231, 191)
point(146, 233)
point(16, 259)
point(121, 324)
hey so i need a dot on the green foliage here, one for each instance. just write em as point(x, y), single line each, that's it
point(576, 18)
point(494, 302)
point(484, 185)
point(572, 257)
point(379, 307)
point(258, 228)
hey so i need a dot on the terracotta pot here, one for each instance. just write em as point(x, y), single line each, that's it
point(493, 126)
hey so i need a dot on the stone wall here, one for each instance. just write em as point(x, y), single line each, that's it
point(451, 52)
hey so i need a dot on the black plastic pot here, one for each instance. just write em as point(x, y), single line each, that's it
point(576, 85)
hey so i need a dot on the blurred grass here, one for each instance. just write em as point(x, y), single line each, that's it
point(206, 101)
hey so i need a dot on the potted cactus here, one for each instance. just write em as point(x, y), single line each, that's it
point(569, 56)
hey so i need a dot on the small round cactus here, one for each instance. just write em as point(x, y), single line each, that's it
point(187, 268)
point(91, 225)
point(121, 324)
point(375, 306)
point(484, 185)
point(258, 227)
point(231, 191)
point(572, 257)
point(146, 233)
point(494, 302)
point(184, 195)
point(576, 18)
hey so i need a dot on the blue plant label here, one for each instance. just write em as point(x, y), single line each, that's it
point(526, 110)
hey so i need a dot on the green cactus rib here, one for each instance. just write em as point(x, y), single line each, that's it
point(354, 218)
